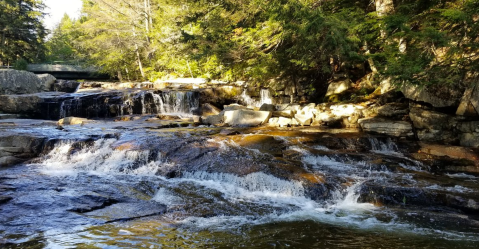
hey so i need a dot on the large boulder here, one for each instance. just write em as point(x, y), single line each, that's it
point(304, 119)
point(19, 82)
point(213, 119)
point(246, 117)
point(338, 87)
point(209, 109)
point(19, 148)
point(72, 121)
point(28, 104)
point(234, 107)
point(387, 127)
point(437, 96)
point(20, 104)
point(426, 119)
point(346, 110)
point(47, 81)
point(455, 152)
point(67, 86)
point(434, 126)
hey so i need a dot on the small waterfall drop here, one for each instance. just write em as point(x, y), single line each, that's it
point(265, 98)
point(254, 183)
point(117, 103)
point(104, 156)
point(176, 102)
point(387, 148)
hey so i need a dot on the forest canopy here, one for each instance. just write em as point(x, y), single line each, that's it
point(287, 41)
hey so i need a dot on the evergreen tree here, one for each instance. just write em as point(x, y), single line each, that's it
point(21, 30)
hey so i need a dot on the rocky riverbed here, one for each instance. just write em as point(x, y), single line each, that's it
point(140, 182)
point(133, 165)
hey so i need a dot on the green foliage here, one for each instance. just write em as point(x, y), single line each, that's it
point(20, 64)
point(21, 30)
point(288, 41)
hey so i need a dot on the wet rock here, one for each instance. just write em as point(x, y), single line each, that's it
point(263, 143)
point(19, 148)
point(128, 211)
point(72, 121)
point(407, 196)
point(9, 160)
point(209, 109)
point(387, 127)
point(246, 117)
point(213, 119)
point(90, 202)
point(19, 82)
point(21, 104)
point(455, 152)
point(268, 108)
point(338, 87)
point(437, 96)
point(67, 86)
point(4, 199)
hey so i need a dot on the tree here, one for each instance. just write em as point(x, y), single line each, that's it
point(115, 35)
point(60, 46)
point(21, 30)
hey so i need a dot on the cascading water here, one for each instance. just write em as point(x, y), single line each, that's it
point(175, 102)
point(113, 190)
point(265, 98)
point(119, 103)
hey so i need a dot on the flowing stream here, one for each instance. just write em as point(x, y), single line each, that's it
point(199, 188)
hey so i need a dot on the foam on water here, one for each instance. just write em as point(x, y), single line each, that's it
point(250, 187)
point(166, 197)
point(100, 158)
point(462, 175)
point(325, 162)
point(456, 188)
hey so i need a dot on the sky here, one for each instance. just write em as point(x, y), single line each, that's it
point(57, 8)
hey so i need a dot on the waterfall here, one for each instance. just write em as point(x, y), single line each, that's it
point(387, 148)
point(265, 98)
point(71, 107)
point(115, 103)
point(258, 183)
point(175, 102)
point(105, 156)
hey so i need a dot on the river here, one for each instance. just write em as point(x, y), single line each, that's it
point(130, 185)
